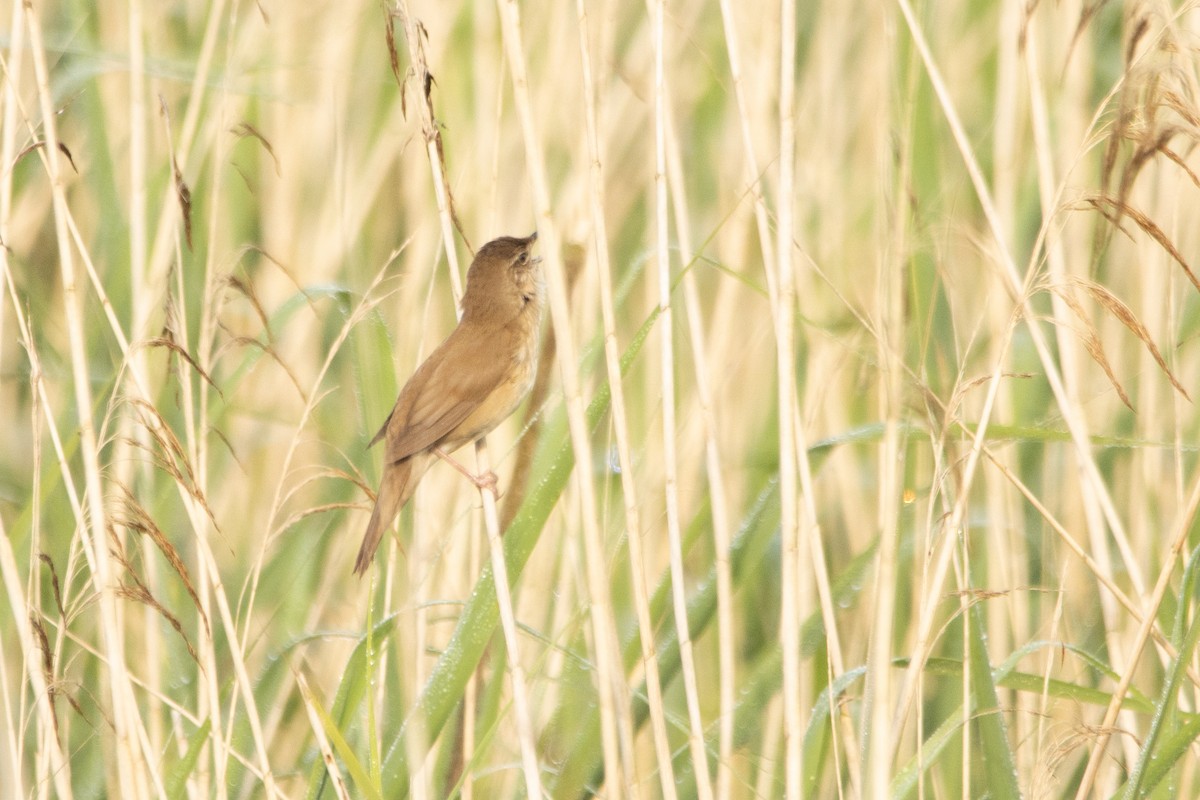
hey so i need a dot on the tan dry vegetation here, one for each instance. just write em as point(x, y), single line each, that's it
point(959, 509)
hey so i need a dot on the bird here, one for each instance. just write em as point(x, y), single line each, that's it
point(467, 386)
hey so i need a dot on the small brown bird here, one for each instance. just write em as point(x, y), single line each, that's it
point(469, 384)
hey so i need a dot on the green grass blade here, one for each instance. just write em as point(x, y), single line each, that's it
point(179, 772)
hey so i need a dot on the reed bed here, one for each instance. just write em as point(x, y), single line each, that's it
point(862, 462)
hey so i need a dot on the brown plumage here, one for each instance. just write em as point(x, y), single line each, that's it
point(469, 384)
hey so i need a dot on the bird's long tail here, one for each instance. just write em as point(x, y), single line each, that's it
point(399, 482)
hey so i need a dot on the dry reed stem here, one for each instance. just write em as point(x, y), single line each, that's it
point(793, 605)
point(612, 363)
point(726, 631)
point(525, 733)
point(524, 720)
point(19, 603)
point(130, 766)
point(667, 386)
point(613, 691)
point(51, 748)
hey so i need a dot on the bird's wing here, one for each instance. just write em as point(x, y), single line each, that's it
point(439, 396)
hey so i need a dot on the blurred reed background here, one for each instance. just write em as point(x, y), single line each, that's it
point(903, 336)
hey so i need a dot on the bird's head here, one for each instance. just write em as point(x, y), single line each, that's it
point(504, 278)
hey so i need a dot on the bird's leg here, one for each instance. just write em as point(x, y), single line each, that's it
point(487, 480)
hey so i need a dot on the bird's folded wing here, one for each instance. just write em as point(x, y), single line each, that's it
point(439, 404)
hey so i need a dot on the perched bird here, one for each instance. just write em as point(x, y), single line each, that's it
point(469, 384)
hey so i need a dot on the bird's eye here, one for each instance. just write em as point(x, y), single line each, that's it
point(523, 259)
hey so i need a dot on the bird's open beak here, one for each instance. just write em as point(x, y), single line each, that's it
point(531, 238)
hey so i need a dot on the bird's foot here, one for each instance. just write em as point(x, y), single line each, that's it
point(487, 480)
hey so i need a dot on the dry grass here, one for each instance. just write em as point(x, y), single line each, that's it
point(867, 465)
